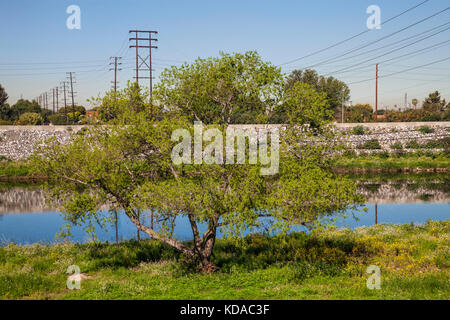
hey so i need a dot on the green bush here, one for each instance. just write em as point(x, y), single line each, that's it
point(372, 144)
point(358, 130)
point(446, 145)
point(433, 144)
point(445, 116)
point(400, 153)
point(58, 119)
point(349, 153)
point(425, 129)
point(384, 154)
point(412, 144)
point(397, 146)
point(30, 119)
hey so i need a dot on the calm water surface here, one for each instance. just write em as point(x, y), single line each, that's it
point(25, 218)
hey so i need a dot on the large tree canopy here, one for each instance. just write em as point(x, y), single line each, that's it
point(336, 91)
point(238, 88)
point(128, 164)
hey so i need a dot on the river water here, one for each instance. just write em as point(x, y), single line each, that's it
point(26, 219)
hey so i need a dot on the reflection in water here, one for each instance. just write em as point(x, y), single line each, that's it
point(376, 213)
point(25, 217)
point(22, 199)
point(401, 191)
point(32, 199)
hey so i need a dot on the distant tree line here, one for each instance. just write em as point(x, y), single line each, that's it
point(433, 108)
point(25, 112)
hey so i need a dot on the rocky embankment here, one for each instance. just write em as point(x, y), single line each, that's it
point(18, 142)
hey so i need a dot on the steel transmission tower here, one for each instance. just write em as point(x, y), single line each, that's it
point(143, 40)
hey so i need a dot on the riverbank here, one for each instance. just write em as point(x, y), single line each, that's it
point(17, 171)
point(328, 264)
point(416, 162)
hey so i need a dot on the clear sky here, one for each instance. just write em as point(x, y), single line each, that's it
point(37, 49)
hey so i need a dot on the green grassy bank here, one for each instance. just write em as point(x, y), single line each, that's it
point(330, 264)
point(384, 162)
point(412, 162)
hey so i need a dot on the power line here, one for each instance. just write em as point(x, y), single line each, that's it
point(343, 70)
point(402, 71)
point(379, 39)
point(392, 43)
point(352, 37)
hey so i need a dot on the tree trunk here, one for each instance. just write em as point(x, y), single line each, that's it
point(203, 246)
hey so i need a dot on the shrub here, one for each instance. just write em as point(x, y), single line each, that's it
point(58, 119)
point(400, 153)
point(30, 118)
point(349, 153)
point(358, 130)
point(445, 116)
point(425, 129)
point(384, 154)
point(5, 123)
point(433, 144)
point(372, 144)
point(412, 144)
point(397, 146)
point(446, 145)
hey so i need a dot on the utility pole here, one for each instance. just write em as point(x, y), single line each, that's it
point(57, 101)
point(72, 94)
point(376, 94)
point(65, 101)
point(64, 90)
point(343, 107)
point(53, 100)
point(116, 63)
point(143, 35)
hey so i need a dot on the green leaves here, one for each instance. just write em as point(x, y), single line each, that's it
point(237, 88)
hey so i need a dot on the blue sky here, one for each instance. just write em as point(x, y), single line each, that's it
point(37, 48)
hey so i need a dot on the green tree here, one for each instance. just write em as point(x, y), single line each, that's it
point(415, 102)
point(70, 109)
point(30, 118)
point(3, 96)
point(128, 166)
point(359, 113)
point(238, 88)
point(336, 91)
point(133, 98)
point(433, 102)
point(25, 106)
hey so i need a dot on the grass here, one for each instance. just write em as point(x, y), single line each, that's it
point(393, 161)
point(326, 264)
point(14, 168)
